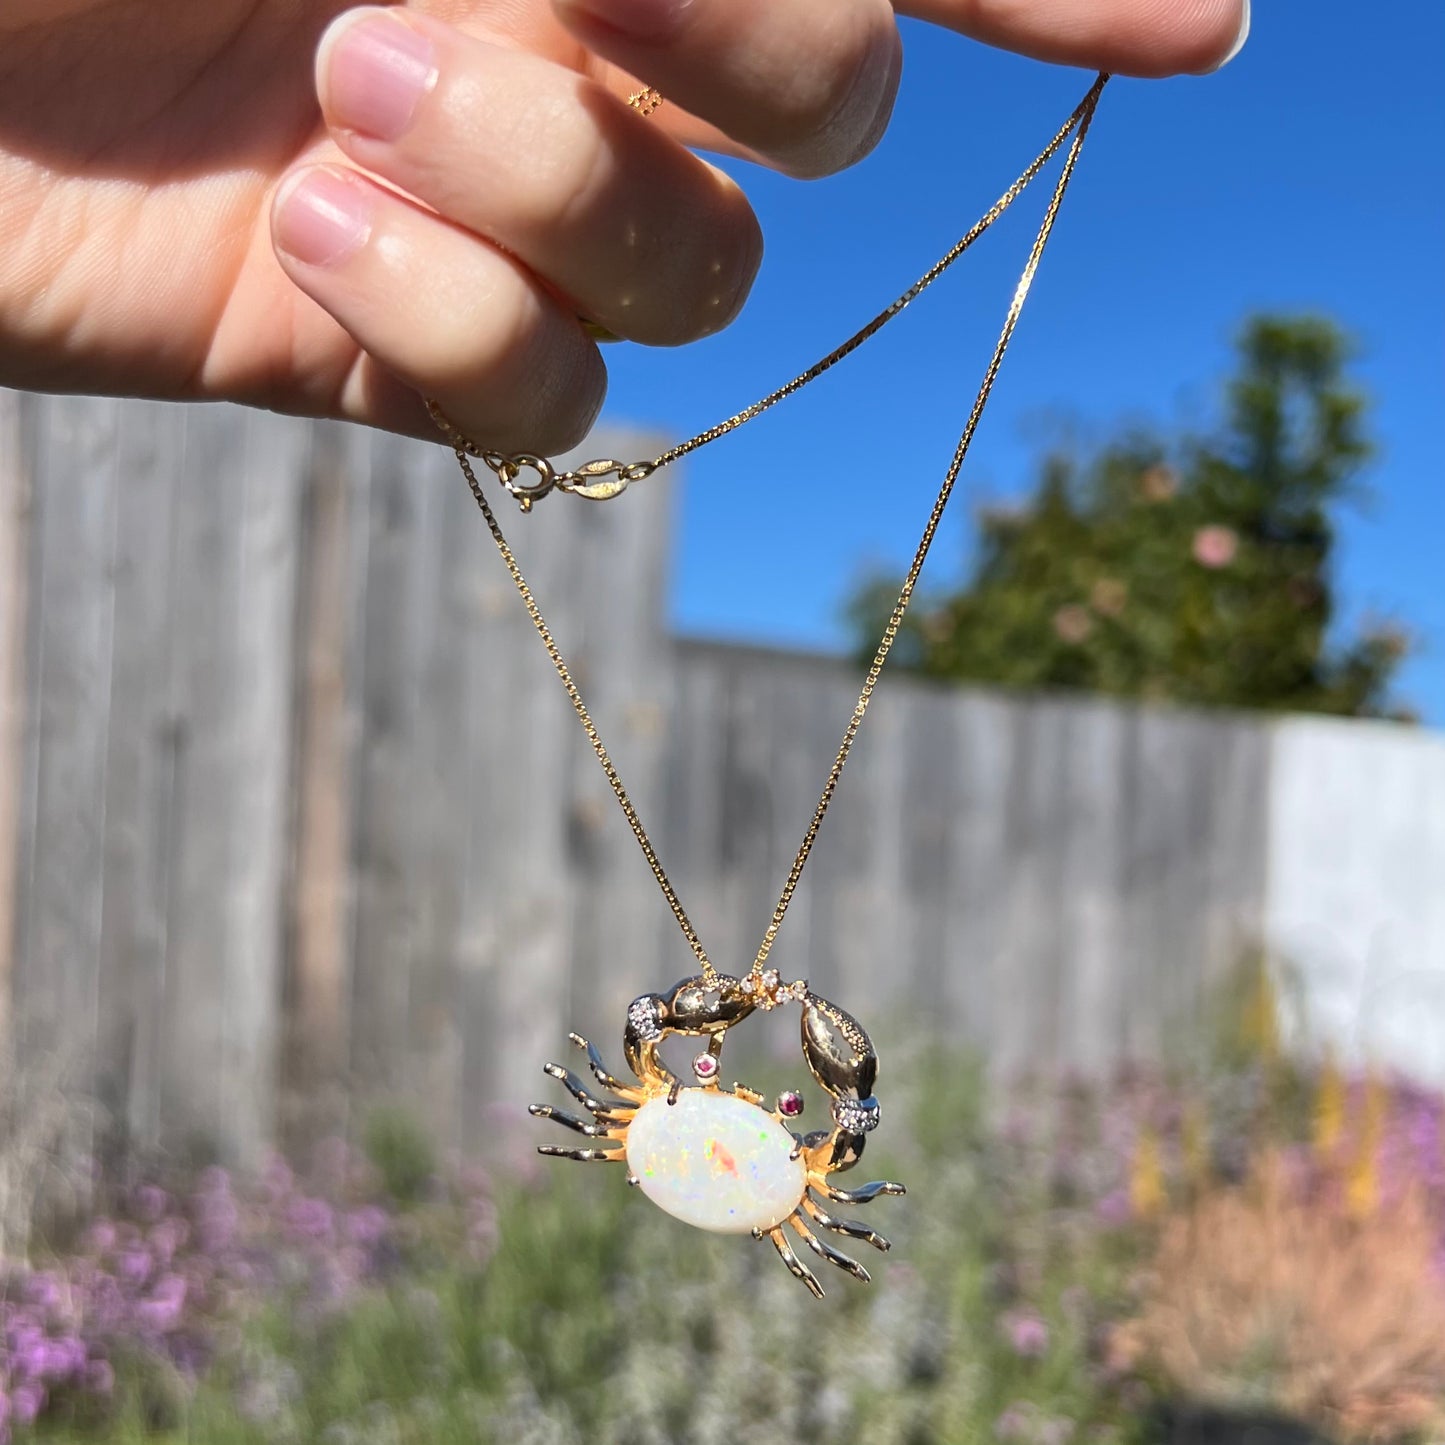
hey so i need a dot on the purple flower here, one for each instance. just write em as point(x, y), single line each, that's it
point(1013, 1424)
point(367, 1226)
point(311, 1218)
point(26, 1402)
point(22, 1339)
point(214, 1180)
point(150, 1202)
point(59, 1359)
point(217, 1221)
point(134, 1265)
point(1113, 1209)
point(162, 1311)
point(167, 1237)
point(42, 1290)
point(1027, 1334)
point(100, 1238)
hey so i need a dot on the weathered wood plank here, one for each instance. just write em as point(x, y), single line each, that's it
point(435, 1043)
point(274, 459)
point(316, 989)
point(150, 454)
point(14, 591)
point(1091, 1016)
point(985, 728)
point(237, 512)
point(385, 819)
point(71, 618)
point(208, 509)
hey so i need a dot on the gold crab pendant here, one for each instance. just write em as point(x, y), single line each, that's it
point(718, 1158)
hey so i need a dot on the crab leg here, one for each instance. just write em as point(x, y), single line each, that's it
point(826, 1251)
point(584, 1156)
point(851, 1227)
point(629, 1092)
point(571, 1121)
point(582, 1094)
point(866, 1195)
point(799, 1269)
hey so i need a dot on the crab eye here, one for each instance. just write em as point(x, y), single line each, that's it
point(790, 1104)
point(705, 1067)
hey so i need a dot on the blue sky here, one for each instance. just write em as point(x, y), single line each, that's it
point(1303, 177)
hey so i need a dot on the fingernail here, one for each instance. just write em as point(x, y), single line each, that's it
point(1238, 39)
point(322, 218)
point(372, 71)
point(634, 19)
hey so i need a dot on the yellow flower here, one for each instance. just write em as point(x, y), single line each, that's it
point(1329, 1112)
point(1146, 1176)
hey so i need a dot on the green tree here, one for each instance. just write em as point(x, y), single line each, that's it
point(1196, 571)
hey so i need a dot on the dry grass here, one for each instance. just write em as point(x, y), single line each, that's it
point(1271, 1294)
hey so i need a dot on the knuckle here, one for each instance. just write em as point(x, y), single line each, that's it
point(835, 122)
point(709, 273)
point(519, 374)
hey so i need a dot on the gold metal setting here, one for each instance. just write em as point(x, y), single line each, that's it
point(838, 1053)
point(644, 102)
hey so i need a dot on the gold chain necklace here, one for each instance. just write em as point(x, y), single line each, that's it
point(715, 1157)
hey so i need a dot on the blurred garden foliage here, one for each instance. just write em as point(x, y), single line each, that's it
point(1240, 1243)
point(1195, 570)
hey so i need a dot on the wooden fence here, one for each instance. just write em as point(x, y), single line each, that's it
point(293, 811)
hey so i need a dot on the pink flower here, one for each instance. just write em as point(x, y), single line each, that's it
point(1215, 547)
point(1073, 623)
point(1027, 1334)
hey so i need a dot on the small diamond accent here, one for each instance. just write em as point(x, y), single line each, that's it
point(642, 1015)
point(857, 1116)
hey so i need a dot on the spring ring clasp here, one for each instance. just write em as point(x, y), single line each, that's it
point(509, 470)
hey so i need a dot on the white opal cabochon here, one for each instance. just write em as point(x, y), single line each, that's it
point(715, 1161)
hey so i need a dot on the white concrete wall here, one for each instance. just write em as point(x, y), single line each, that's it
point(1355, 889)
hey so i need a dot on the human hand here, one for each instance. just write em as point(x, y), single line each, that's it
point(181, 217)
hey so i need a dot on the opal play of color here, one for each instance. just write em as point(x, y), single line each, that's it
point(715, 1161)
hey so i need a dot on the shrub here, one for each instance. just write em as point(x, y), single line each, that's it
point(1277, 1291)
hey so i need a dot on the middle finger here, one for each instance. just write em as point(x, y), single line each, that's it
point(642, 236)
